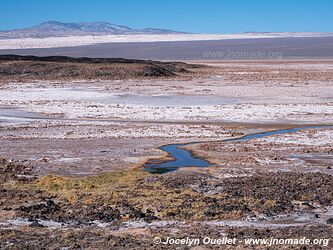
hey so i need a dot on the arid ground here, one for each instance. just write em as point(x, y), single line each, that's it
point(75, 135)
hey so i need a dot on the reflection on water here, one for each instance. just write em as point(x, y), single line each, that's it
point(184, 158)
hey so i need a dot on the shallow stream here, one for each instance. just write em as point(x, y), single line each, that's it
point(185, 158)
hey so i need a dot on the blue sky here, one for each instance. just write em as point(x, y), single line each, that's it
point(197, 16)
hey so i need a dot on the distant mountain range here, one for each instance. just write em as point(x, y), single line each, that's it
point(59, 29)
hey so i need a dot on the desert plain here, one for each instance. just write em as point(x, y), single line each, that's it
point(76, 135)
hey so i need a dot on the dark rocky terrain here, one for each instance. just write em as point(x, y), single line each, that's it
point(61, 68)
point(84, 204)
